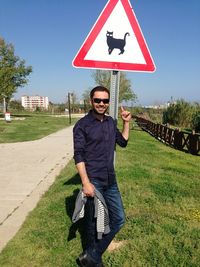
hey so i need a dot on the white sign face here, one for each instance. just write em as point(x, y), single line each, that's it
point(117, 23)
point(115, 42)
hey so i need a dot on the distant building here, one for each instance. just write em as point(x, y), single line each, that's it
point(158, 106)
point(34, 102)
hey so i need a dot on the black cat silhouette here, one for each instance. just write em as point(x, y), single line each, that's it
point(116, 43)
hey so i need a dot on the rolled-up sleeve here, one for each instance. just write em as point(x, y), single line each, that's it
point(120, 140)
point(79, 144)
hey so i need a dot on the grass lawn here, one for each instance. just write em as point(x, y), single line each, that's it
point(160, 188)
point(28, 127)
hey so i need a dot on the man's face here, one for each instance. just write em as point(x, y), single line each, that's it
point(100, 102)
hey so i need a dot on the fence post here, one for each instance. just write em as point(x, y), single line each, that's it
point(193, 143)
point(165, 134)
point(178, 139)
point(170, 131)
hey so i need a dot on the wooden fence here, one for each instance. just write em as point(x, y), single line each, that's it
point(181, 140)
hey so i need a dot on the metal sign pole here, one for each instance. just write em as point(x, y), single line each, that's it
point(114, 94)
point(114, 98)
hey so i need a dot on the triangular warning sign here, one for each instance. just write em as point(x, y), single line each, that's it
point(115, 42)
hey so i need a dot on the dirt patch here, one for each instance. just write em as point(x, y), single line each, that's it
point(116, 245)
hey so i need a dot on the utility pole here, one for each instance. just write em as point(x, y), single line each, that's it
point(85, 108)
point(69, 108)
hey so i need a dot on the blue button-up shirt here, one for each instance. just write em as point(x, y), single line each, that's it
point(94, 144)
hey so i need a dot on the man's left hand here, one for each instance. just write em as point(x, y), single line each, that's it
point(125, 115)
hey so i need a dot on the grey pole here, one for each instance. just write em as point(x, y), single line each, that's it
point(114, 94)
point(114, 97)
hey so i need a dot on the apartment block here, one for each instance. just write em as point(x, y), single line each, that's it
point(32, 102)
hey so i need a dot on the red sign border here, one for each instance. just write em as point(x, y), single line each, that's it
point(79, 60)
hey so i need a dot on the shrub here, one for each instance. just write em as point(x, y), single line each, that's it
point(196, 121)
point(179, 113)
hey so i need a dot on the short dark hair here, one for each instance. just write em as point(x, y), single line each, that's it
point(99, 88)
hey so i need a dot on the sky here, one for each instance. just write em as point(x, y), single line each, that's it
point(47, 34)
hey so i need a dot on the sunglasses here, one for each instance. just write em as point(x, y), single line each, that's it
point(99, 100)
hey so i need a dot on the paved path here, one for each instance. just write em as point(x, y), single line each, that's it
point(27, 170)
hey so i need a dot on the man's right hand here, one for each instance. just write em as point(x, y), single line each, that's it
point(88, 189)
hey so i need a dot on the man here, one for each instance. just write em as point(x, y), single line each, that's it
point(95, 137)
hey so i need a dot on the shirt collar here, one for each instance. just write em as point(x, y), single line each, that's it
point(93, 118)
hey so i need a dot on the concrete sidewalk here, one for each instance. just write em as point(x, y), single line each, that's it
point(27, 169)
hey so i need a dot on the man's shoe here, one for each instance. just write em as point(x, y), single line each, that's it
point(85, 260)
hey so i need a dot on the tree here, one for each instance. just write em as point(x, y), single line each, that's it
point(73, 100)
point(103, 78)
point(86, 99)
point(13, 72)
point(16, 105)
point(86, 95)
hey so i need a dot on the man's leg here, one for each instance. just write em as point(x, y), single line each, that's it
point(90, 223)
point(117, 218)
point(85, 258)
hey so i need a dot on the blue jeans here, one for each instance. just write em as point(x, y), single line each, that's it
point(96, 247)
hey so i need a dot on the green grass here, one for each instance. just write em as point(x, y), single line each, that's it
point(160, 188)
point(30, 127)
